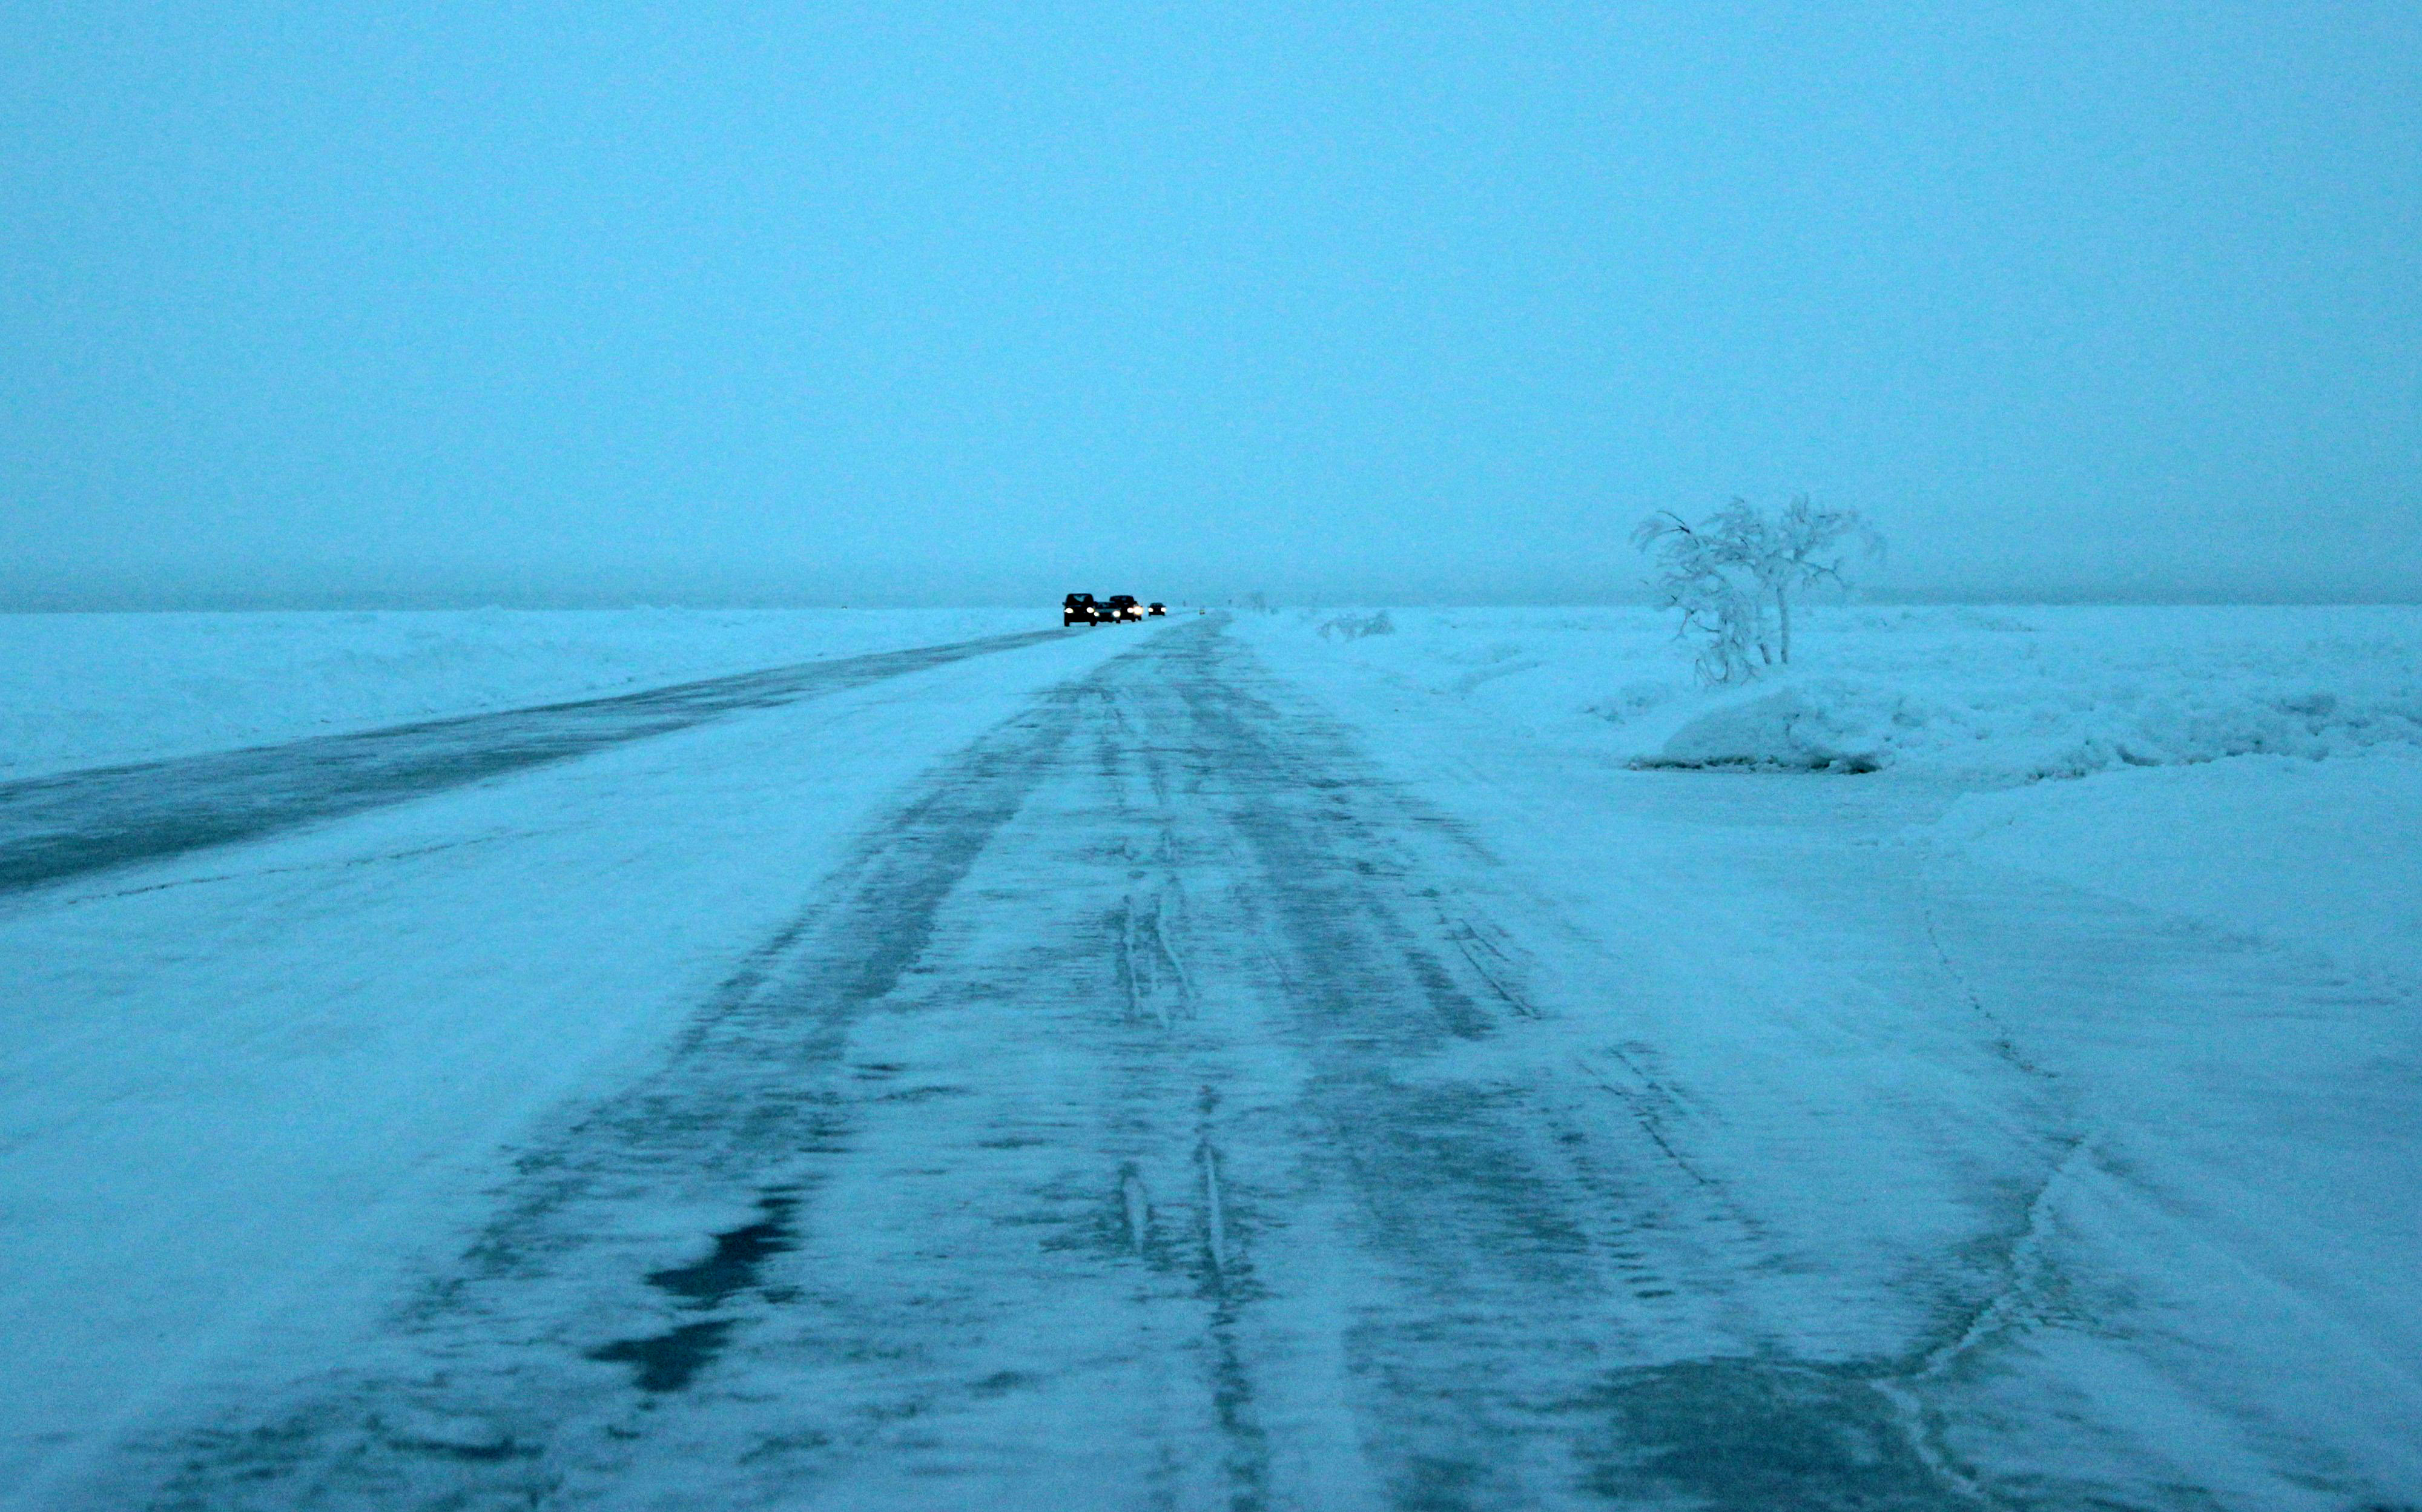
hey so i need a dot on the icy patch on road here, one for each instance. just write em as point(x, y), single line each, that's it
point(1758, 1433)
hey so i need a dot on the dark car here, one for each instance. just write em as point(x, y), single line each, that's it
point(1122, 606)
point(1080, 608)
point(1156, 609)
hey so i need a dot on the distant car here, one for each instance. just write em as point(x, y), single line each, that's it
point(1080, 608)
point(1122, 606)
point(1156, 608)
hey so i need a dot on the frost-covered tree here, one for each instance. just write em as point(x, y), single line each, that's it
point(1733, 575)
point(1720, 615)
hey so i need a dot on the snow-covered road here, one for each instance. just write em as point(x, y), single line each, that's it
point(1143, 1070)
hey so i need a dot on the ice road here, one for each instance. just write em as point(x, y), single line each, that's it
point(1105, 1069)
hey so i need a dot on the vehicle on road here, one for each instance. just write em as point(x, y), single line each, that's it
point(1083, 608)
point(1157, 609)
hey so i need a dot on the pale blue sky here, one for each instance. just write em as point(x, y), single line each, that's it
point(589, 302)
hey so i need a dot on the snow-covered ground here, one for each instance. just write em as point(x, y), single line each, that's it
point(90, 689)
point(1342, 1058)
point(2256, 768)
point(1983, 693)
point(2167, 859)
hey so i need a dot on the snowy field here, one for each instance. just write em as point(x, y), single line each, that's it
point(1319, 1059)
point(2259, 767)
point(91, 690)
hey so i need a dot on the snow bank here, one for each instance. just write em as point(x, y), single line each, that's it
point(1782, 730)
point(1354, 627)
point(94, 689)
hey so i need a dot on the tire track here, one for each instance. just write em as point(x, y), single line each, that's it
point(1524, 1245)
point(519, 1378)
point(1157, 1111)
point(524, 1354)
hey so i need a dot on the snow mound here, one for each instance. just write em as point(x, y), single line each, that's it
point(1348, 627)
point(1783, 731)
point(2188, 725)
point(2025, 731)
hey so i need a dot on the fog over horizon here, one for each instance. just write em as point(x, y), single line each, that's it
point(355, 305)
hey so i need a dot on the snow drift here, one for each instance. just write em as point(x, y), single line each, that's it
point(1780, 730)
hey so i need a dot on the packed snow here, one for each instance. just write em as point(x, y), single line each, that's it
point(246, 1085)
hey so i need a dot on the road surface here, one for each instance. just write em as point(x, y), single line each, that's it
point(1157, 1099)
